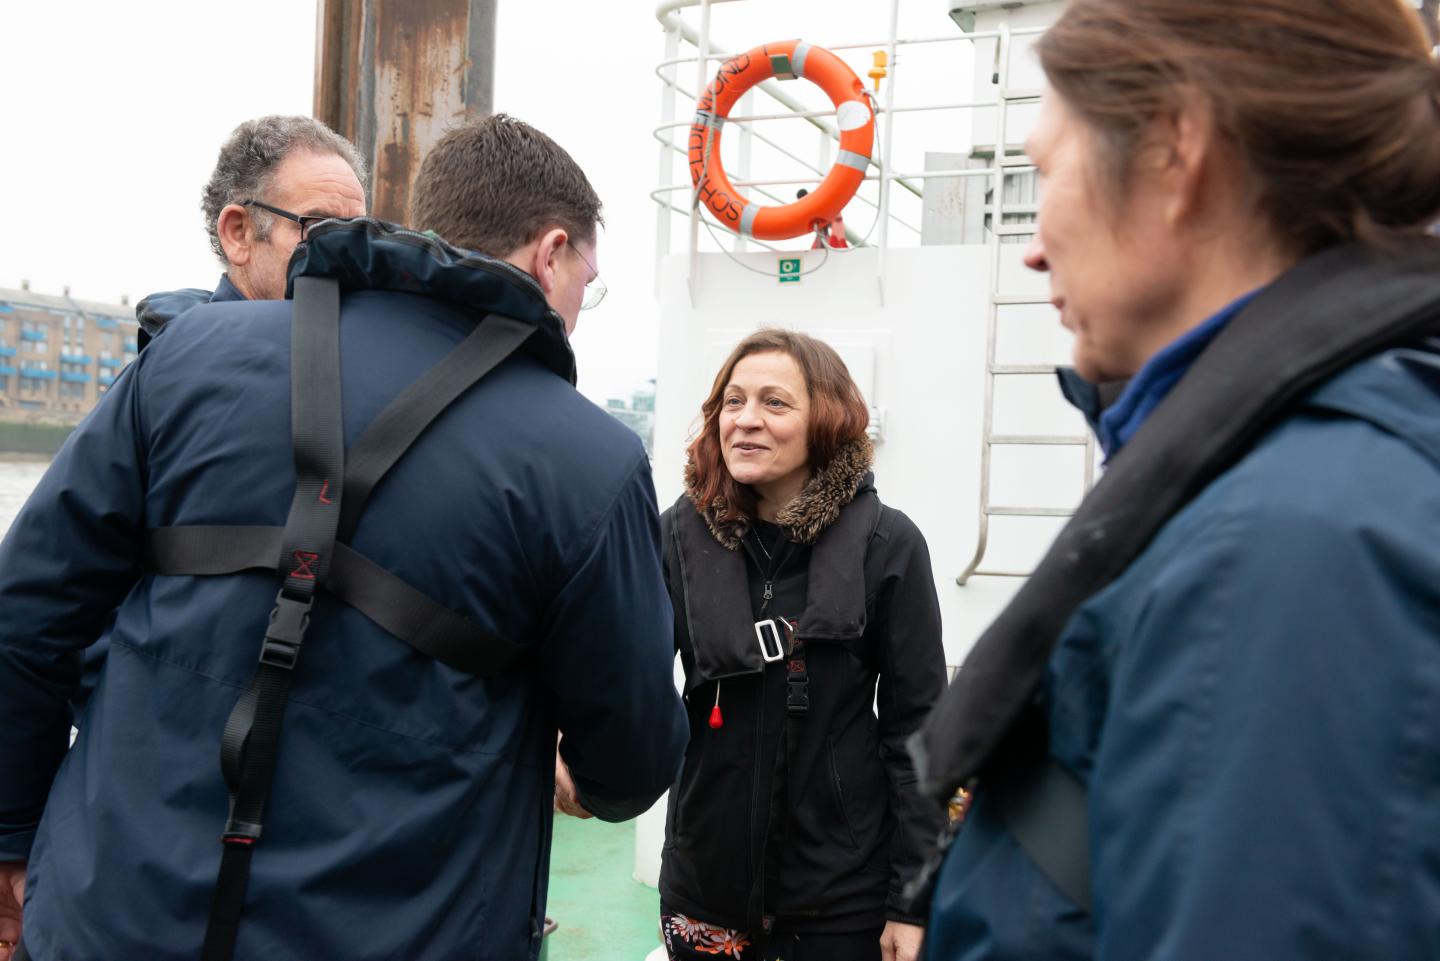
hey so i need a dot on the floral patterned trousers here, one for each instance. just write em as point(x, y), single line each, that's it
point(689, 940)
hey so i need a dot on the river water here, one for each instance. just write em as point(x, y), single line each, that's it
point(18, 477)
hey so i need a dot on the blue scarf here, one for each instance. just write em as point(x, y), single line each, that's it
point(1148, 388)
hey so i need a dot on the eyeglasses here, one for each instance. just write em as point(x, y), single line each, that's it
point(595, 290)
point(305, 222)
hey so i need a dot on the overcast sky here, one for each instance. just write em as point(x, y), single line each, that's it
point(113, 114)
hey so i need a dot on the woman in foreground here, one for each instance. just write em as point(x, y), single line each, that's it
point(1225, 676)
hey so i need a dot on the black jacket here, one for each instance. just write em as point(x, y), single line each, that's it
point(810, 819)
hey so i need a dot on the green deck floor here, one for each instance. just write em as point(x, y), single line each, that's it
point(603, 912)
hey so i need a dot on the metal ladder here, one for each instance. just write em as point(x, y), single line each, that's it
point(1004, 164)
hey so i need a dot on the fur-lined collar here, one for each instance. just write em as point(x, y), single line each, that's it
point(813, 509)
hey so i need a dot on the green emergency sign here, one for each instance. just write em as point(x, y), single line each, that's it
point(789, 270)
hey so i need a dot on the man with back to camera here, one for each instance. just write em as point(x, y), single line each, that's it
point(409, 811)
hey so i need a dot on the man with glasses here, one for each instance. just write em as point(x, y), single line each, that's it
point(396, 469)
point(275, 176)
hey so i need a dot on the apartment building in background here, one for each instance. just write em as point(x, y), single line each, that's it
point(58, 355)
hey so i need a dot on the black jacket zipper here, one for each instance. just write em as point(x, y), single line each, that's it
point(775, 568)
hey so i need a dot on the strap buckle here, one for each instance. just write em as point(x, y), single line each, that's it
point(240, 832)
point(761, 629)
point(797, 695)
point(286, 632)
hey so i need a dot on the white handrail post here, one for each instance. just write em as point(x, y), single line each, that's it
point(701, 77)
point(884, 168)
point(663, 214)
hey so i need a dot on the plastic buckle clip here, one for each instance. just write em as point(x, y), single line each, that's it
point(286, 632)
point(761, 627)
point(797, 695)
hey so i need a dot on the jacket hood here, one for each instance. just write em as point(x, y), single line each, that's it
point(369, 254)
point(815, 508)
point(1396, 391)
point(161, 307)
point(157, 310)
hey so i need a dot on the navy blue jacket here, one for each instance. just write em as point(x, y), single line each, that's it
point(410, 816)
point(158, 309)
point(153, 313)
point(1255, 705)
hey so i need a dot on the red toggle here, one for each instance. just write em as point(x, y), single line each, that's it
point(716, 720)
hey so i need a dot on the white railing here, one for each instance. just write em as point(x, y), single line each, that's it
point(707, 53)
point(1010, 220)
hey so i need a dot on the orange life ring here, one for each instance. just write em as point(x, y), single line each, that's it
point(787, 60)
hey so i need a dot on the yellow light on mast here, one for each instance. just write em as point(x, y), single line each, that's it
point(878, 71)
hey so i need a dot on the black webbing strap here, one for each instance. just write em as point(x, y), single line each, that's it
point(405, 418)
point(797, 678)
point(208, 550)
point(252, 733)
point(777, 835)
point(410, 615)
point(1044, 807)
point(392, 604)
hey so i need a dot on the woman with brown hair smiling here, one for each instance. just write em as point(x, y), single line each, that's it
point(801, 604)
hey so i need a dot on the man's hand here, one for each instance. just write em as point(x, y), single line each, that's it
point(12, 900)
point(901, 942)
point(566, 800)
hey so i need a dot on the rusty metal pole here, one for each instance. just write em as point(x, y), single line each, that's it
point(394, 75)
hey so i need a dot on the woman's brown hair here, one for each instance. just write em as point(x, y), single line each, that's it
point(1333, 106)
point(838, 415)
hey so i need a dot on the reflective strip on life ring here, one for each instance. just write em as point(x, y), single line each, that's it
point(786, 60)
